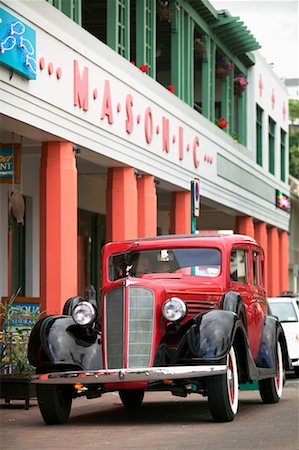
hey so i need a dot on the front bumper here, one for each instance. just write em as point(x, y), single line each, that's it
point(125, 375)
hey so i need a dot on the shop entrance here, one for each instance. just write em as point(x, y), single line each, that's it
point(91, 238)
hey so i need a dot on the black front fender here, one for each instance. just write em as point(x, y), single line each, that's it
point(59, 342)
point(207, 337)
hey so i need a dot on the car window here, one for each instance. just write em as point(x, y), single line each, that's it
point(255, 268)
point(187, 261)
point(238, 266)
point(284, 311)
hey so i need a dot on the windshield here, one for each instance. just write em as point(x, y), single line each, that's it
point(203, 262)
point(284, 311)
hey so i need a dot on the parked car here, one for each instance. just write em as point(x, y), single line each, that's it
point(287, 311)
point(183, 314)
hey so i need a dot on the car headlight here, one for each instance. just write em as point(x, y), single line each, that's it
point(174, 309)
point(84, 313)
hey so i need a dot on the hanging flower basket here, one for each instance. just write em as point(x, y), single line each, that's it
point(164, 11)
point(240, 84)
point(223, 68)
point(199, 47)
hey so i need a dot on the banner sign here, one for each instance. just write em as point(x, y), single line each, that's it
point(17, 45)
point(10, 163)
point(283, 201)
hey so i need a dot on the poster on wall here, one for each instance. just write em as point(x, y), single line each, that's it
point(10, 163)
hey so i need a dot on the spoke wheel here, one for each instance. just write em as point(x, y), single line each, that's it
point(131, 398)
point(271, 388)
point(54, 402)
point(223, 391)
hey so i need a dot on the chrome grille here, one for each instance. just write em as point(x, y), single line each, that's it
point(140, 326)
point(198, 306)
point(114, 328)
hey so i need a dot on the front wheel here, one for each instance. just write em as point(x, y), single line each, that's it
point(131, 398)
point(271, 388)
point(223, 394)
point(54, 402)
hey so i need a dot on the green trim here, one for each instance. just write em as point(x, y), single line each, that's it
point(71, 8)
point(282, 155)
point(206, 28)
point(242, 101)
point(271, 138)
point(244, 179)
point(146, 35)
point(118, 26)
point(259, 135)
point(208, 79)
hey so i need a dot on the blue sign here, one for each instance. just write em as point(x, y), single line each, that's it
point(17, 45)
point(23, 315)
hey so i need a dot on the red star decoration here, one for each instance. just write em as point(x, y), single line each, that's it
point(284, 111)
point(273, 99)
point(261, 85)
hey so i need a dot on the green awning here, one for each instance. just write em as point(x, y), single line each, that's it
point(235, 36)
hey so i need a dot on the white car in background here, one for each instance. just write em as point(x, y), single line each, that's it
point(287, 311)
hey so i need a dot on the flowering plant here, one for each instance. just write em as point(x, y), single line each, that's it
point(143, 68)
point(223, 68)
point(240, 84)
point(222, 122)
point(199, 47)
point(164, 10)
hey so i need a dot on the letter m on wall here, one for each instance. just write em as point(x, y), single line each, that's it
point(80, 87)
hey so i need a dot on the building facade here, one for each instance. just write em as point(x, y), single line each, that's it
point(108, 111)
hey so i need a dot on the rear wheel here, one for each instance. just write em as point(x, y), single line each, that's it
point(271, 388)
point(296, 371)
point(223, 394)
point(131, 398)
point(54, 402)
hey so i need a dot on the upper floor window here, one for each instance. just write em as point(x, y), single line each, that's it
point(256, 268)
point(272, 126)
point(238, 266)
point(282, 155)
point(259, 135)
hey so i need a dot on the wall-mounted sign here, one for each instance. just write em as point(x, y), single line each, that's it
point(282, 201)
point(17, 45)
point(196, 198)
point(10, 163)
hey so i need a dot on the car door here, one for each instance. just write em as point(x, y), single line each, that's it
point(243, 282)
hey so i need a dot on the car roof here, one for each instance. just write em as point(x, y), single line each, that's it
point(280, 299)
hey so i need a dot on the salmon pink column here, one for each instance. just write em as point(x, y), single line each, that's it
point(147, 206)
point(284, 261)
point(244, 225)
point(58, 226)
point(273, 262)
point(121, 204)
point(261, 236)
point(180, 213)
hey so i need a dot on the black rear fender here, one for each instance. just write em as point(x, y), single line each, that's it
point(272, 333)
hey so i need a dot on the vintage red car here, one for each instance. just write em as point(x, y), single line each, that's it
point(184, 314)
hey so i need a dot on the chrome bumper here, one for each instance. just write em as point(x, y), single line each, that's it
point(121, 375)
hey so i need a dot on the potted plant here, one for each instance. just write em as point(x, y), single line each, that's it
point(165, 10)
point(223, 67)
point(199, 47)
point(222, 123)
point(16, 324)
point(240, 83)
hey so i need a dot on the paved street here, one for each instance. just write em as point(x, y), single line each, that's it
point(163, 422)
